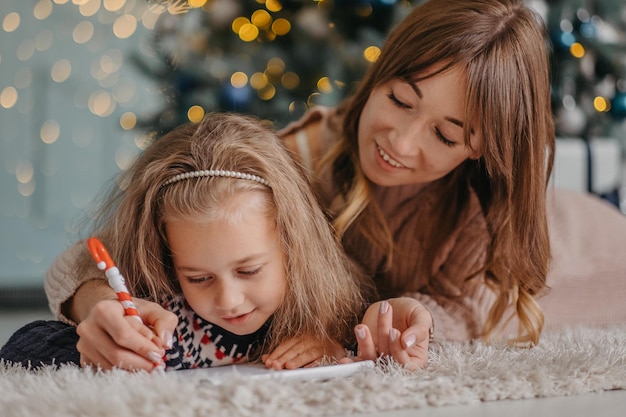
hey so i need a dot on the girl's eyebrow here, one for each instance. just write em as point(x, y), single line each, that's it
point(251, 258)
point(452, 120)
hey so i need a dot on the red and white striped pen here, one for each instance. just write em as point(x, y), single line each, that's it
point(114, 277)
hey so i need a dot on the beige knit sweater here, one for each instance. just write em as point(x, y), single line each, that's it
point(588, 237)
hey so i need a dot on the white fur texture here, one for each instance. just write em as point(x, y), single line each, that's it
point(574, 362)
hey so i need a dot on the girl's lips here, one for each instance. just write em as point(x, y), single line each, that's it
point(238, 320)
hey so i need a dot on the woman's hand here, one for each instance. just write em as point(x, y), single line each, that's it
point(302, 352)
point(398, 327)
point(109, 339)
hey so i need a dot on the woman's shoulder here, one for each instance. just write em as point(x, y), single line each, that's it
point(308, 137)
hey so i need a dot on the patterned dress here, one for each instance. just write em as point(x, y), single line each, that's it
point(201, 344)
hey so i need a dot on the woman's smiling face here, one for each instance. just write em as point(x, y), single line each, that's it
point(412, 133)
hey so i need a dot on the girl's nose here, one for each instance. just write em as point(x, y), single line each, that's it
point(228, 296)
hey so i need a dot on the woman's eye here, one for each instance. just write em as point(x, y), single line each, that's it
point(443, 139)
point(397, 102)
point(250, 272)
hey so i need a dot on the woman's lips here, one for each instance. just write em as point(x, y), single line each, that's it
point(386, 159)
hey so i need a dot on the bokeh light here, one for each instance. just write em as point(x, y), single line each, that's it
point(11, 22)
point(8, 97)
point(125, 26)
point(61, 70)
point(195, 113)
point(50, 132)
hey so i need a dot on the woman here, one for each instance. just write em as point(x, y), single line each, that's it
point(435, 175)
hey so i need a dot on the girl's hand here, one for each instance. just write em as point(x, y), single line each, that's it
point(109, 339)
point(398, 327)
point(301, 352)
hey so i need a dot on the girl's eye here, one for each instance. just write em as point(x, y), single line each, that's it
point(443, 139)
point(397, 102)
point(198, 280)
point(250, 272)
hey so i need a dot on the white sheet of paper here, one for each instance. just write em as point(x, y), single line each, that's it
point(259, 371)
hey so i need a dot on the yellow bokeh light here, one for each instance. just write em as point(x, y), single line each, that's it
point(195, 113)
point(83, 32)
point(238, 23)
point(297, 106)
point(281, 26)
point(89, 8)
point(267, 93)
point(8, 97)
point(577, 50)
point(238, 79)
point(601, 104)
point(261, 18)
point(258, 80)
point(275, 67)
point(248, 32)
point(24, 172)
point(61, 70)
point(197, 3)
point(42, 9)
point(128, 120)
point(273, 5)
point(290, 80)
point(112, 61)
point(324, 85)
point(150, 18)
point(371, 53)
point(11, 22)
point(101, 103)
point(49, 132)
point(113, 5)
point(124, 26)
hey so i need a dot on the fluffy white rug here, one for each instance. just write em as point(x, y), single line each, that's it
point(569, 363)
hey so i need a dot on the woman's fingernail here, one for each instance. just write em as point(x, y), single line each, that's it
point(360, 332)
point(168, 340)
point(409, 341)
point(384, 307)
point(393, 334)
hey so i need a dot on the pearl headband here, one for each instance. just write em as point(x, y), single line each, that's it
point(216, 173)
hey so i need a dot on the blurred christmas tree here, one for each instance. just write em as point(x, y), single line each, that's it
point(589, 67)
point(271, 58)
point(276, 58)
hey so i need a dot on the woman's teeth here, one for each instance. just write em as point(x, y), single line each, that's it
point(389, 159)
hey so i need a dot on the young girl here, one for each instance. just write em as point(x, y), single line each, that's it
point(217, 222)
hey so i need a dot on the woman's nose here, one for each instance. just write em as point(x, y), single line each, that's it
point(404, 138)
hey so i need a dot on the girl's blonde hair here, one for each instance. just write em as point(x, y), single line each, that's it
point(501, 46)
point(323, 295)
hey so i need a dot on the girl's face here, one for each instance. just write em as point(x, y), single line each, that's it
point(231, 269)
point(411, 133)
